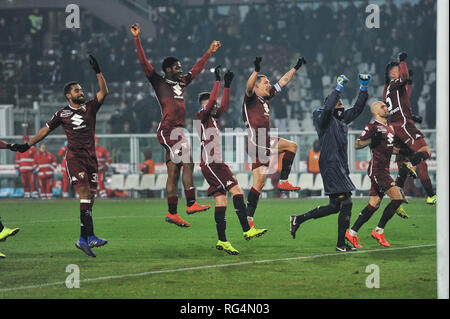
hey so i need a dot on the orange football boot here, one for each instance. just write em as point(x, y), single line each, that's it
point(196, 207)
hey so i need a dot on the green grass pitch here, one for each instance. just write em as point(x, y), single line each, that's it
point(149, 258)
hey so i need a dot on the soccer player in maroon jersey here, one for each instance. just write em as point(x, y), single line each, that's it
point(379, 135)
point(216, 172)
point(170, 90)
point(256, 116)
point(396, 95)
point(78, 120)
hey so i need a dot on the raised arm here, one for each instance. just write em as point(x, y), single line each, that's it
point(351, 114)
point(323, 116)
point(200, 64)
point(212, 98)
point(285, 79)
point(146, 66)
point(101, 80)
point(404, 73)
point(253, 77)
point(226, 92)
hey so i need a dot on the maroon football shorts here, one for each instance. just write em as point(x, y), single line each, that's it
point(83, 171)
point(178, 149)
point(381, 182)
point(219, 177)
point(257, 152)
point(409, 135)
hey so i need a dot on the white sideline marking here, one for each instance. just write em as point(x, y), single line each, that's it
point(73, 219)
point(214, 266)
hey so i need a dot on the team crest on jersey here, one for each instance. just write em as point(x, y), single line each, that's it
point(81, 175)
point(66, 113)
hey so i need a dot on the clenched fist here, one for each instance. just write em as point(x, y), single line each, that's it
point(215, 45)
point(135, 30)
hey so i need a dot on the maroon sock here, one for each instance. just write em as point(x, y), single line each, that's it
point(173, 203)
point(190, 196)
point(288, 159)
point(221, 222)
point(422, 170)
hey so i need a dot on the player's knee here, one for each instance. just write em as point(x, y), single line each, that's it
point(188, 167)
point(293, 147)
point(221, 201)
point(236, 190)
point(335, 207)
point(375, 202)
point(258, 185)
point(83, 190)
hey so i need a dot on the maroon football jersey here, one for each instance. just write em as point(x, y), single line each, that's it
point(79, 126)
point(256, 114)
point(208, 130)
point(396, 97)
point(381, 154)
point(170, 94)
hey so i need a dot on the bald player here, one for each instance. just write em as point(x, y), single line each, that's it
point(379, 136)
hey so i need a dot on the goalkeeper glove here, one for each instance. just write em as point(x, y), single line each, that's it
point(341, 80)
point(364, 80)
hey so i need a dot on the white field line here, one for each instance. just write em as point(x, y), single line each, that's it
point(216, 266)
point(73, 219)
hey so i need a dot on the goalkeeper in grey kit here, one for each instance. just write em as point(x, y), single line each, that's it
point(331, 123)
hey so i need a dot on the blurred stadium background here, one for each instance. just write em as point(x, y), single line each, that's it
point(38, 54)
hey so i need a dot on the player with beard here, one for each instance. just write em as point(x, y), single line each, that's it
point(170, 91)
point(78, 120)
point(379, 135)
point(331, 123)
point(256, 115)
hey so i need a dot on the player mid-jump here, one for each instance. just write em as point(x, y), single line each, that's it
point(216, 172)
point(170, 90)
point(256, 116)
point(413, 145)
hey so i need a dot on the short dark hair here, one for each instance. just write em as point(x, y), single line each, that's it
point(260, 76)
point(169, 62)
point(68, 87)
point(203, 96)
point(389, 67)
